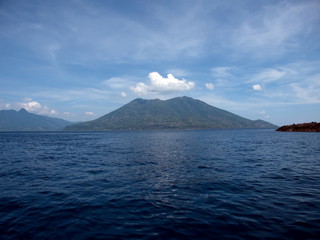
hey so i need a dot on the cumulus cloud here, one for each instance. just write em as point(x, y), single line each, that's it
point(141, 89)
point(159, 84)
point(210, 86)
point(257, 87)
point(35, 107)
point(30, 105)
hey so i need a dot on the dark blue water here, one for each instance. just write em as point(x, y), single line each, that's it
point(223, 184)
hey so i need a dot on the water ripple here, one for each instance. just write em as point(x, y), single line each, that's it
point(233, 184)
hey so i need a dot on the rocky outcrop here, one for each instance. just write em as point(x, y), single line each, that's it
point(302, 127)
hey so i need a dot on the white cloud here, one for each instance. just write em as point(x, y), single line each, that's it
point(269, 75)
point(5, 106)
point(276, 28)
point(169, 84)
point(29, 105)
point(159, 84)
point(137, 38)
point(210, 86)
point(89, 113)
point(141, 89)
point(308, 90)
point(294, 83)
point(35, 107)
point(257, 87)
point(123, 94)
point(117, 82)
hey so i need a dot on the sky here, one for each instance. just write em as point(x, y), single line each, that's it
point(81, 59)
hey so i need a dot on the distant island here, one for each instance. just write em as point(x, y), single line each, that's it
point(175, 113)
point(301, 127)
point(22, 120)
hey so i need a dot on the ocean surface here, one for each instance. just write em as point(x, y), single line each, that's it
point(201, 184)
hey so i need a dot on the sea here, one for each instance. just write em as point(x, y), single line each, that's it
point(164, 184)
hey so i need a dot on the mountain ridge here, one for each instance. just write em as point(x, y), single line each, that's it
point(176, 113)
point(22, 120)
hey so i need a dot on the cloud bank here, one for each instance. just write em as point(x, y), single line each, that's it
point(159, 84)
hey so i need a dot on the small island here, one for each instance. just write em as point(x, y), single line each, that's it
point(301, 127)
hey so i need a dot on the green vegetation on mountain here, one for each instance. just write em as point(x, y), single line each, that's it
point(11, 120)
point(176, 113)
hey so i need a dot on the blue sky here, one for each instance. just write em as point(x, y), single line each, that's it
point(79, 60)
